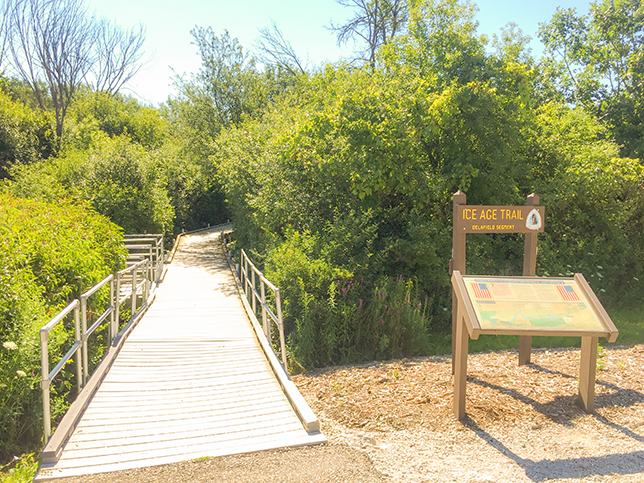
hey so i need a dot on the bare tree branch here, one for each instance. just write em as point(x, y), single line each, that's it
point(51, 42)
point(5, 10)
point(375, 23)
point(56, 47)
point(275, 49)
point(118, 55)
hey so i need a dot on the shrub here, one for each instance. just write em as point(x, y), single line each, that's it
point(49, 254)
point(118, 178)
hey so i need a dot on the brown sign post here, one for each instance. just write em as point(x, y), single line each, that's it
point(527, 219)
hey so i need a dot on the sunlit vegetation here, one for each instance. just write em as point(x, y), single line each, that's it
point(338, 177)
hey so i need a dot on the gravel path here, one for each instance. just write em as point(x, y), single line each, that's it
point(392, 422)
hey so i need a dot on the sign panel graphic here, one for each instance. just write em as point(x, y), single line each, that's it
point(545, 305)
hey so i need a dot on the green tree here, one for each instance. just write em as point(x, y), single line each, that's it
point(601, 65)
point(228, 85)
point(115, 115)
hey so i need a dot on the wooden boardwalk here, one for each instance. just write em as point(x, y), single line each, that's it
point(191, 380)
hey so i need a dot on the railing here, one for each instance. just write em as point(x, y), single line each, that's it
point(249, 276)
point(47, 376)
point(109, 312)
point(129, 284)
point(147, 247)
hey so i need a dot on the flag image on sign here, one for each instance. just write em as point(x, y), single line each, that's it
point(481, 291)
point(568, 293)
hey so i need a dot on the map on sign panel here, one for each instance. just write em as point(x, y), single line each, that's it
point(545, 305)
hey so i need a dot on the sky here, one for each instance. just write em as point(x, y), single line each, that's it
point(169, 50)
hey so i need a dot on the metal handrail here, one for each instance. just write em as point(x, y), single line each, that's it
point(153, 245)
point(79, 308)
point(249, 284)
point(135, 287)
point(109, 312)
point(48, 376)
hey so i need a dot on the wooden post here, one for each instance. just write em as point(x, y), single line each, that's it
point(460, 366)
point(529, 270)
point(587, 369)
point(458, 259)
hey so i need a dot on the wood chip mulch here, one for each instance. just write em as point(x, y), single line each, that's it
point(404, 394)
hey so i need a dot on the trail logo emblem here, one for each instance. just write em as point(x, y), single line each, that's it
point(533, 220)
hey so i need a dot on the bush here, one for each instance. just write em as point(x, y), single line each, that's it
point(49, 254)
point(332, 316)
point(25, 136)
point(118, 178)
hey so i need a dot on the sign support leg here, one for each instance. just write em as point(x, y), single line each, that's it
point(460, 366)
point(529, 270)
point(525, 349)
point(587, 369)
point(458, 260)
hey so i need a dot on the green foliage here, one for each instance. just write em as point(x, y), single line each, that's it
point(49, 254)
point(601, 63)
point(333, 317)
point(114, 115)
point(21, 471)
point(118, 178)
point(227, 88)
point(343, 178)
point(24, 134)
point(192, 188)
point(594, 204)
point(120, 157)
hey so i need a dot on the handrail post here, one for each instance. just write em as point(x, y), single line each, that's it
point(264, 324)
point(278, 303)
point(247, 283)
point(79, 364)
point(83, 301)
point(117, 309)
point(245, 264)
point(252, 291)
point(134, 284)
point(44, 383)
point(242, 273)
point(150, 266)
point(160, 257)
point(112, 328)
point(146, 283)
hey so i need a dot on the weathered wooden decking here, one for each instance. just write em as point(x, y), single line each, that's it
point(191, 380)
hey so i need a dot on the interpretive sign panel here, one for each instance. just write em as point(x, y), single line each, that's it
point(499, 219)
point(528, 304)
